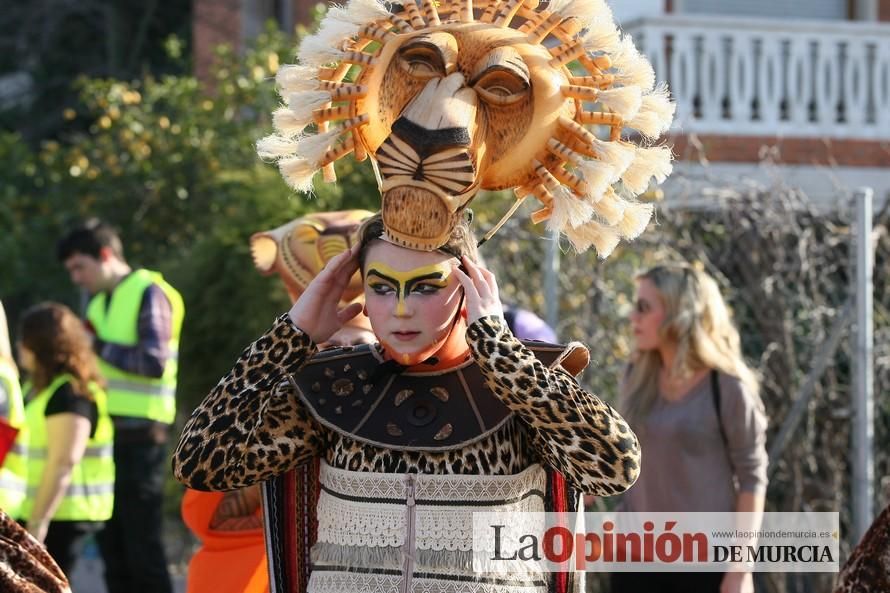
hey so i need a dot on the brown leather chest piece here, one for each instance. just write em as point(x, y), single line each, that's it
point(346, 391)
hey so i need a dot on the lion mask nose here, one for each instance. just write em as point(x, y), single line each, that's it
point(427, 142)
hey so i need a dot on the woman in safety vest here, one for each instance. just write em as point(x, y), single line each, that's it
point(68, 444)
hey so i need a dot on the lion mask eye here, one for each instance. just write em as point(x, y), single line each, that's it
point(502, 77)
point(429, 56)
point(501, 87)
point(421, 61)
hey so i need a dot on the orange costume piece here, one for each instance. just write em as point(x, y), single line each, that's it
point(228, 561)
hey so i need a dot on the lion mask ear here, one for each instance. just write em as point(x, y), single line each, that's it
point(264, 251)
point(551, 101)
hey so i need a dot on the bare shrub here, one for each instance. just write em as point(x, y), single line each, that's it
point(786, 270)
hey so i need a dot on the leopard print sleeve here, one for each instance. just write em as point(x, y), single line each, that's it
point(572, 430)
point(251, 427)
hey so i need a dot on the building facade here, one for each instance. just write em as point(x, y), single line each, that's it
point(235, 22)
point(789, 91)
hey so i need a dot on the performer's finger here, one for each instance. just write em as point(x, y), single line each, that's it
point(349, 264)
point(349, 312)
point(486, 273)
point(474, 272)
point(487, 276)
point(332, 265)
point(348, 257)
point(466, 282)
point(354, 251)
point(462, 277)
point(491, 280)
point(341, 268)
point(339, 258)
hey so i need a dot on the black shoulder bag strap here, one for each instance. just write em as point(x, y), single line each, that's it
point(715, 394)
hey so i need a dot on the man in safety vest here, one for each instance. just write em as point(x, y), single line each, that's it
point(136, 318)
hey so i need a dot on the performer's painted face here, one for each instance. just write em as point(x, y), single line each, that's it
point(412, 299)
point(647, 316)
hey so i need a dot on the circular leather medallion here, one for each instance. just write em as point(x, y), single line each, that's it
point(422, 413)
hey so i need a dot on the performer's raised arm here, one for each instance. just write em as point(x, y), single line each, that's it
point(573, 430)
point(252, 426)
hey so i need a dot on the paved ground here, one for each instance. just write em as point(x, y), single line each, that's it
point(87, 576)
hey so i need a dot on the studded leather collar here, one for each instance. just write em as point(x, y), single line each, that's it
point(422, 411)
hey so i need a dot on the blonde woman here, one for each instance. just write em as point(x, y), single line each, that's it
point(694, 403)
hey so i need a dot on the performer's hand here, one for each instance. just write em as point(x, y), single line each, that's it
point(480, 291)
point(317, 311)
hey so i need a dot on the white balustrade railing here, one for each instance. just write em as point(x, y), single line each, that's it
point(772, 77)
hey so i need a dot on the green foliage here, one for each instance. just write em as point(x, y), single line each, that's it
point(172, 165)
point(50, 44)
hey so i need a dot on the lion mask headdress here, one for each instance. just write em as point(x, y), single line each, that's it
point(451, 96)
point(300, 249)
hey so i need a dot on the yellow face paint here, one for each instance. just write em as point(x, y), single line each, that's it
point(382, 277)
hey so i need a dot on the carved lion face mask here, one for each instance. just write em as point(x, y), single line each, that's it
point(449, 97)
point(300, 249)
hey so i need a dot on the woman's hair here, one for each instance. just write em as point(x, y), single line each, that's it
point(59, 342)
point(698, 321)
point(460, 243)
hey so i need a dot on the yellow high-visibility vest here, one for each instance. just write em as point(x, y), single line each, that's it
point(117, 322)
point(14, 473)
point(90, 495)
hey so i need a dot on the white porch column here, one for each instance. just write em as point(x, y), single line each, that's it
point(865, 10)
